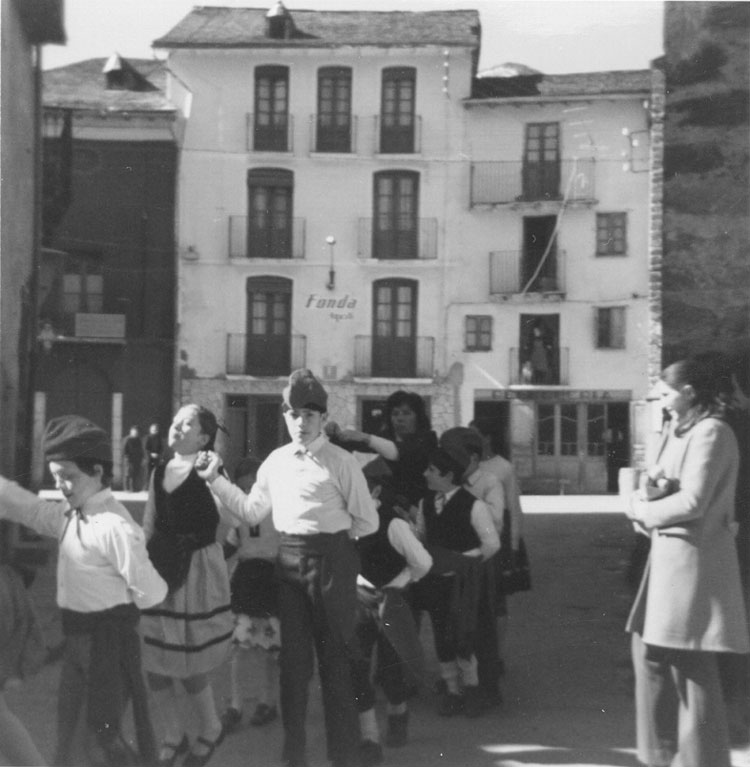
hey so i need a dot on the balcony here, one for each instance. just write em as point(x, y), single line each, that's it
point(398, 139)
point(414, 239)
point(277, 136)
point(523, 372)
point(280, 243)
point(265, 355)
point(376, 357)
point(509, 274)
point(506, 183)
point(337, 138)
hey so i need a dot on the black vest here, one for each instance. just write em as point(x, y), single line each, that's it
point(185, 521)
point(451, 529)
point(380, 562)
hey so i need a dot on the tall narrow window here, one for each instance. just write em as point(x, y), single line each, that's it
point(397, 110)
point(269, 320)
point(334, 123)
point(611, 231)
point(541, 162)
point(271, 123)
point(610, 327)
point(394, 328)
point(269, 220)
point(396, 201)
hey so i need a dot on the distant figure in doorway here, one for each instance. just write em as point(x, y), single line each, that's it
point(617, 456)
point(133, 455)
point(539, 355)
point(154, 447)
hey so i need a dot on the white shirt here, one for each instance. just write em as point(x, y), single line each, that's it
point(485, 486)
point(102, 560)
point(503, 470)
point(319, 488)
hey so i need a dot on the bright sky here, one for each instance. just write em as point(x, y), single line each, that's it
point(553, 36)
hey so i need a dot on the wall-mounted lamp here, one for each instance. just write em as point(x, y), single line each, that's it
point(331, 240)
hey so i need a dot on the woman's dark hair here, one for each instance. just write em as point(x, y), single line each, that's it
point(706, 375)
point(414, 402)
point(445, 464)
point(209, 424)
point(87, 466)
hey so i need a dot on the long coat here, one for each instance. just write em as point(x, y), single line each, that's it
point(690, 596)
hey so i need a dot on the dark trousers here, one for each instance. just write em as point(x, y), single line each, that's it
point(679, 707)
point(434, 594)
point(389, 666)
point(486, 649)
point(317, 602)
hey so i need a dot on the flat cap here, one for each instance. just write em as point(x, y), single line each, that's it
point(461, 443)
point(305, 391)
point(70, 437)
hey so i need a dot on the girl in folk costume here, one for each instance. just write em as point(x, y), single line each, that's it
point(689, 606)
point(188, 635)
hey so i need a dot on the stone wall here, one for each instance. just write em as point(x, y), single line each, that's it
point(706, 264)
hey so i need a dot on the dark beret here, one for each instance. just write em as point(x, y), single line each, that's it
point(70, 437)
point(305, 391)
point(460, 442)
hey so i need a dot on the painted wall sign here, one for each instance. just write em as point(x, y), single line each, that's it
point(549, 395)
point(339, 308)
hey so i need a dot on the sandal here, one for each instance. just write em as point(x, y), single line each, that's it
point(198, 760)
point(176, 749)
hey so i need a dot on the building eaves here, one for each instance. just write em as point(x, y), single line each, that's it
point(82, 86)
point(218, 27)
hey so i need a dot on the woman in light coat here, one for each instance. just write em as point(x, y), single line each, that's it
point(689, 605)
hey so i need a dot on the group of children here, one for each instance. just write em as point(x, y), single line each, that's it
point(331, 564)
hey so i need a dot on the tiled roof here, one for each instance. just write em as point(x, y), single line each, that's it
point(217, 27)
point(83, 86)
point(551, 86)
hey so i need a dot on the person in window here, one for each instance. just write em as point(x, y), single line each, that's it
point(188, 635)
point(103, 577)
point(539, 354)
point(689, 606)
point(405, 443)
point(319, 501)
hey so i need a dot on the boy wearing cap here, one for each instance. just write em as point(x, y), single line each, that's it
point(103, 577)
point(319, 502)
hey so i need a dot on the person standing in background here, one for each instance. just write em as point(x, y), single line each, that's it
point(154, 447)
point(133, 455)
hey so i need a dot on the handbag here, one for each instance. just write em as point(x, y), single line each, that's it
point(514, 572)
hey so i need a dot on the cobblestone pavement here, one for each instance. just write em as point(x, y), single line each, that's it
point(568, 685)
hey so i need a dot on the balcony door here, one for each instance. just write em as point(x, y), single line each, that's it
point(269, 221)
point(269, 320)
point(541, 164)
point(395, 221)
point(394, 328)
point(540, 349)
point(397, 110)
point(539, 258)
point(334, 129)
point(271, 123)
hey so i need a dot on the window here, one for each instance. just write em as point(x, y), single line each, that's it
point(269, 221)
point(610, 328)
point(478, 336)
point(396, 201)
point(541, 166)
point(271, 109)
point(269, 319)
point(397, 110)
point(334, 126)
point(611, 231)
point(394, 328)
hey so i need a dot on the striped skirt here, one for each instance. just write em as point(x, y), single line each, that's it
point(190, 632)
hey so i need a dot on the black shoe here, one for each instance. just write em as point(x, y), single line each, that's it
point(396, 734)
point(370, 753)
point(450, 704)
point(230, 719)
point(168, 752)
point(199, 760)
point(474, 702)
point(263, 715)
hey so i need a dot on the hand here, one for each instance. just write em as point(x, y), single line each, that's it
point(332, 430)
point(207, 465)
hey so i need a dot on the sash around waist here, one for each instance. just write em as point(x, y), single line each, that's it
point(317, 543)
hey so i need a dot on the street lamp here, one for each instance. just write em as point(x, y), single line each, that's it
point(331, 240)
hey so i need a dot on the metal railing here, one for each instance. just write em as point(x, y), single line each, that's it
point(506, 276)
point(278, 356)
point(505, 182)
point(376, 357)
point(398, 139)
point(416, 239)
point(265, 243)
point(521, 368)
point(269, 138)
point(333, 138)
